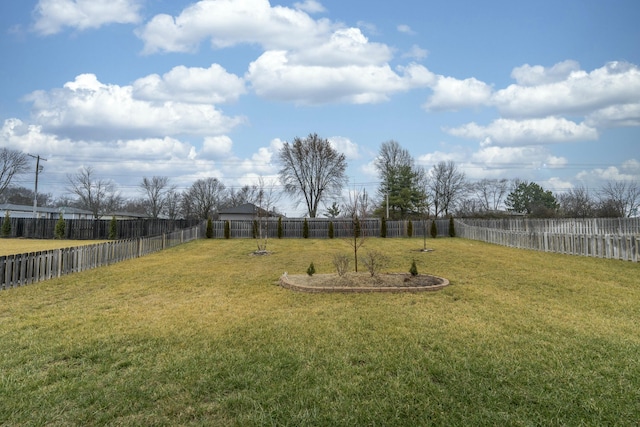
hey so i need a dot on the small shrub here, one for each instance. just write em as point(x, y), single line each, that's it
point(6, 225)
point(383, 227)
point(311, 270)
point(280, 230)
point(305, 229)
point(209, 232)
point(374, 261)
point(410, 229)
point(113, 228)
point(341, 263)
point(434, 229)
point(60, 228)
point(331, 229)
point(227, 230)
point(452, 229)
point(414, 269)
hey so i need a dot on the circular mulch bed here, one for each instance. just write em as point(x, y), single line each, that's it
point(362, 282)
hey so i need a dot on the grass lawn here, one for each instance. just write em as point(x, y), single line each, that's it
point(21, 246)
point(201, 334)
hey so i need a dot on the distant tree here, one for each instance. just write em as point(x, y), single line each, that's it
point(576, 203)
point(530, 198)
point(623, 195)
point(113, 228)
point(311, 170)
point(434, 229)
point(401, 181)
point(490, 193)
point(60, 228)
point(209, 231)
point(93, 194)
point(447, 186)
point(12, 164)
point(333, 211)
point(6, 225)
point(24, 196)
point(172, 204)
point(155, 190)
point(204, 197)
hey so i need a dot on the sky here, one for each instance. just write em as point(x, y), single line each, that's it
point(545, 91)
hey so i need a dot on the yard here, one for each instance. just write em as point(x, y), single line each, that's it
point(201, 334)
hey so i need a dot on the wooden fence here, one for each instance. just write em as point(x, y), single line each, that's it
point(594, 239)
point(24, 269)
point(95, 229)
point(319, 228)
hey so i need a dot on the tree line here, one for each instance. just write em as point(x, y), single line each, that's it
point(313, 173)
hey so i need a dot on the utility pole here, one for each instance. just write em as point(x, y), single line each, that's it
point(35, 195)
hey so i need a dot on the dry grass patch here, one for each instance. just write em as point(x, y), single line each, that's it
point(21, 246)
point(202, 335)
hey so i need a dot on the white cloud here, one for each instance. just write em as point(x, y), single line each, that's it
point(452, 94)
point(416, 52)
point(611, 173)
point(345, 146)
point(227, 22)
point(310, 6)
point(217, 146)
point(346, 46)
point(211, 85)
point(89, 109)
point(527, 75)
point(616, 116)
point(617, 83)
point(548, 130)
point(53, 15)
point(403, 28)
point(273, 76)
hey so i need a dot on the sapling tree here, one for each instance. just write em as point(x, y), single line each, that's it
point(60, 228)
point(357, 208)
point(6, 225)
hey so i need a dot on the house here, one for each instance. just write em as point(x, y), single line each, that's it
point(25, 211)
point(248, 211)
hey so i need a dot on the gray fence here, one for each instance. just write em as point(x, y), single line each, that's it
point(95, 229)
point(617, 238)
point(292, 228)
point(27, 268)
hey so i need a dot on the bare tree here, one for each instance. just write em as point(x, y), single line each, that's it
point(155, 189)
point(491, 193)
point(172, 203)
point(312, 170)
point(357, 209)
point(577, 203)
point(204, 197)
point(265, 199)
point(623, 195)
point(95, 195)
point(12, 164)
point(447, 185)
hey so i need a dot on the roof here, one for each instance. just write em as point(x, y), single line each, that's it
point(27, 208)
point(247, 208)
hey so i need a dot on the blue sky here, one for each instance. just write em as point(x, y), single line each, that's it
point(545, 91)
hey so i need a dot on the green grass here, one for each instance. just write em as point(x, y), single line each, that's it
point(201, 335)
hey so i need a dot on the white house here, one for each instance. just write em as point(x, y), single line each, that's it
point(24, 211)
